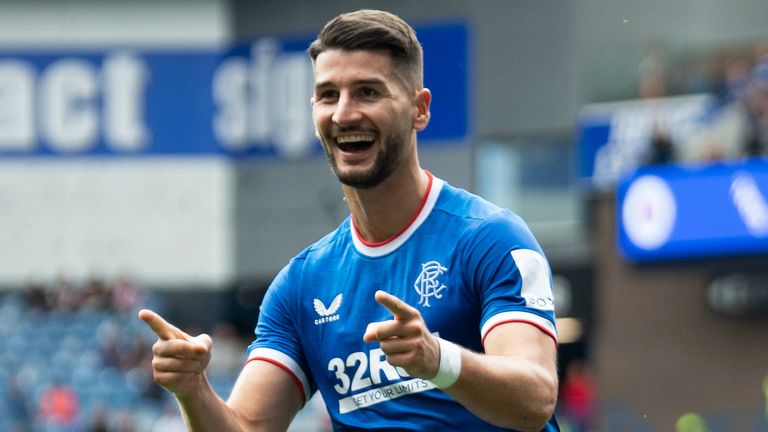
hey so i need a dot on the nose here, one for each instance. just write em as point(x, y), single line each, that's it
point(347, 111)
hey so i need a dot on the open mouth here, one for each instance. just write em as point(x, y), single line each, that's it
point(355, 143)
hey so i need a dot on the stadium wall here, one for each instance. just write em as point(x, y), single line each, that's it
point(553, 58)
point(660, 348)
point(163, 220)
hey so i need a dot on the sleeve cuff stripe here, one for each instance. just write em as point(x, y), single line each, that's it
point(286, 363)
point(542, 323)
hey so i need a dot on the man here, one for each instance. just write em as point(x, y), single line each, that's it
point(365, 315)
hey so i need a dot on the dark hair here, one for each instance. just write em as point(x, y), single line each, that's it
point(369, 29)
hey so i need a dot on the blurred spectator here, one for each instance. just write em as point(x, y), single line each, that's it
point(104, 343)
point(734, 126)
point(757, 104)
point(118, 351)
point(228, 353)
point(142, 378)
point(662, 150)
point(577, 396)
point(98, 422)
point(697, 77)
point(95, 295)
point(110, 344)
point(735, 78)
point(125, 295)
point(720, 136)
point(135, 352)
point(35, 297)
point(737, 126)
point(125, 421)
point(652, 71)
point(59, 405)
point(63, 296)
point(19, 412)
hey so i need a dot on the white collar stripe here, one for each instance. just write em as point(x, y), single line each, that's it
point(394, 244)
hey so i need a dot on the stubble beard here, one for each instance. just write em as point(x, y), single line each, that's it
point(387, 160)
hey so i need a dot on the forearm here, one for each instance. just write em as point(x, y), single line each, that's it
point(264, 397)
point(514, 385)
point(205, 411)
point(510, 392)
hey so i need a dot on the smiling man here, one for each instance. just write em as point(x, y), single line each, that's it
point(361, 114)
point(428, 308)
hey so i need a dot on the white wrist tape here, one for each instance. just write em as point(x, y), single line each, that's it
point(450, 364)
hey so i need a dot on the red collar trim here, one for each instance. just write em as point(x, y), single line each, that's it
point(410, 222)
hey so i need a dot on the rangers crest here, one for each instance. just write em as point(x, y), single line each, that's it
point(427, 284)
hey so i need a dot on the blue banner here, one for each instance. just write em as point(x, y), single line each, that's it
point(616, 137)
point(250, 99)
point(676, 212)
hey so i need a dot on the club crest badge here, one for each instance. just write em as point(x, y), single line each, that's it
point(427, 284)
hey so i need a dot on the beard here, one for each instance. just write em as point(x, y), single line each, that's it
point(387, 160)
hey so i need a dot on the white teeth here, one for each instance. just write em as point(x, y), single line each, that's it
point(354, 138)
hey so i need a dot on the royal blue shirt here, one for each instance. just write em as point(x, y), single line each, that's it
point(466, 264)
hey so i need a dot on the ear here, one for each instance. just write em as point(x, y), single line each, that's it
point(421, 102)
point(312, 101)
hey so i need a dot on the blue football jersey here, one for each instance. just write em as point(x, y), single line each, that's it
point(466, 264)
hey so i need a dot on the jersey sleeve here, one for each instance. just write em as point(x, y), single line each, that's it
point(511, 275)
point(277, 337)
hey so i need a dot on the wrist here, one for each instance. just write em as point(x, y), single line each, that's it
point(193, 390)
point(450, 364)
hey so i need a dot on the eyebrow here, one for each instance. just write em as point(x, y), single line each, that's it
point(362, 82)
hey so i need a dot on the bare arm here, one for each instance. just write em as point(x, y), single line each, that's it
point(264, 397)
point(513, 385)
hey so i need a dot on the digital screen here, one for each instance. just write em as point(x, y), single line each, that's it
point(678, 212)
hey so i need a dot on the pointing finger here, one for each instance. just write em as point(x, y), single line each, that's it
point(161, 327)
point(400, 309)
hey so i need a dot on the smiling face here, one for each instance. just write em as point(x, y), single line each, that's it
point(366, 115)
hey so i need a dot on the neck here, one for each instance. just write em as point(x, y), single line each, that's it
point(382, 212)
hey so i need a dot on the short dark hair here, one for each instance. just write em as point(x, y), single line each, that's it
point(368, 29)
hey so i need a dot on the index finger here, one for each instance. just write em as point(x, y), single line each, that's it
point(401, 310)
point(162, 328)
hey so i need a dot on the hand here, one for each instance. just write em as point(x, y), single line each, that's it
point(405, 339)
point(179, 359)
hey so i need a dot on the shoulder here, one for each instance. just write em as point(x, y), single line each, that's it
point(286, 287)
point(317, 253)
point(462, 203)
point(484, 222)
point(327, 244)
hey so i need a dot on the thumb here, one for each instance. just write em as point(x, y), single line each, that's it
point(370, 332)
point(202, 342)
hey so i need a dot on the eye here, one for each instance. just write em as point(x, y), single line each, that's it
point(368, 92)
point(327, 94)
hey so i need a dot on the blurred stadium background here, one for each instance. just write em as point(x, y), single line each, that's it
point(161, 154)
